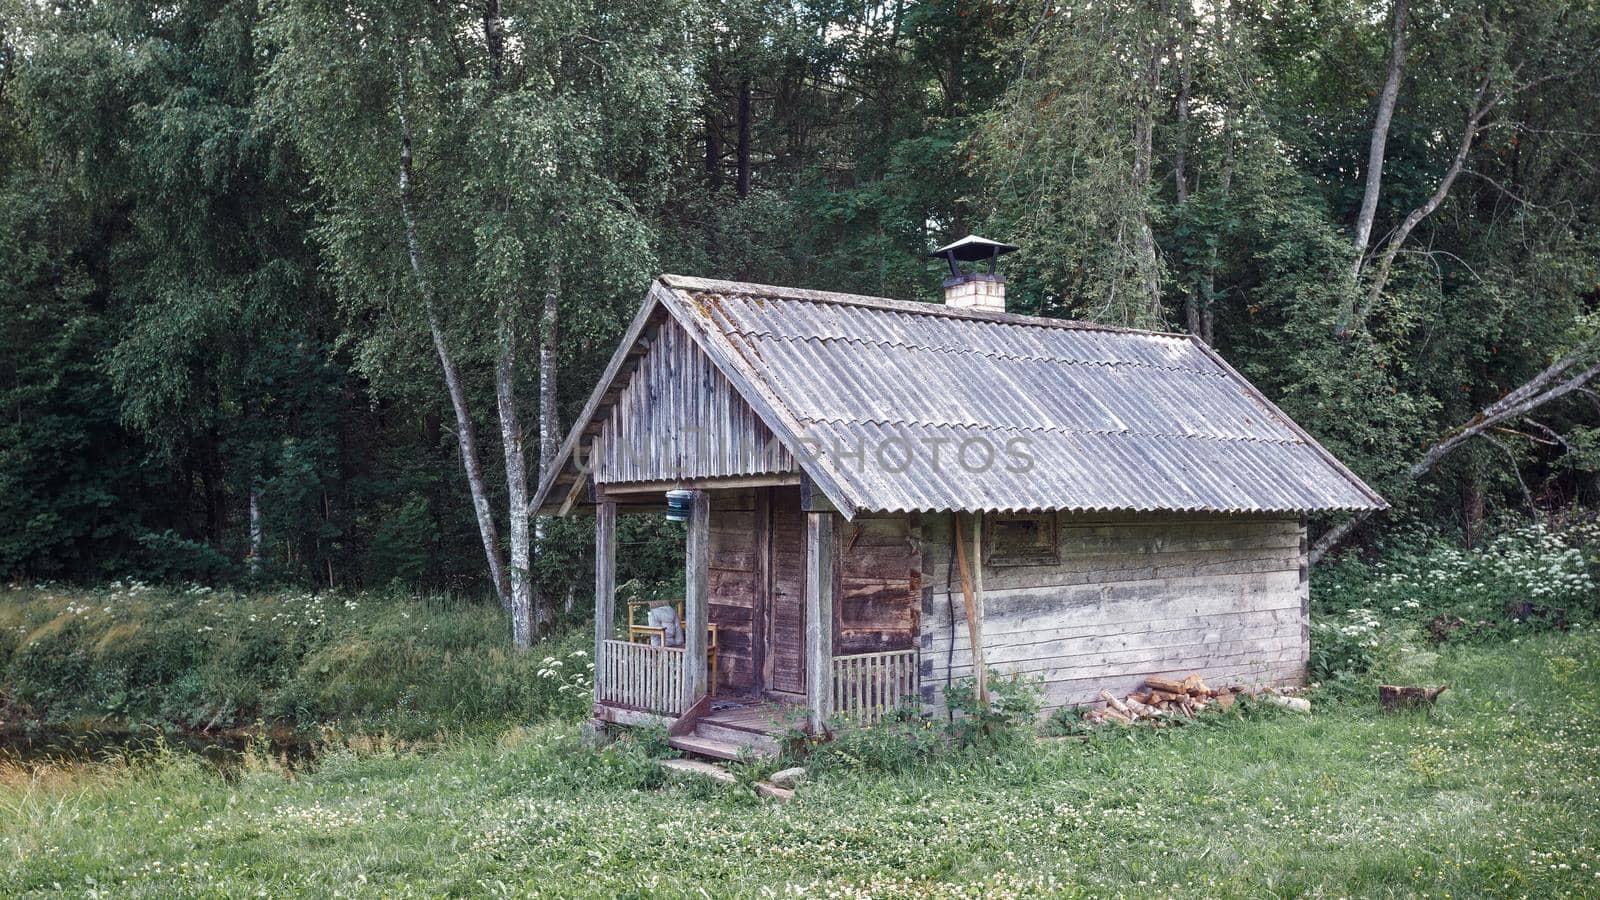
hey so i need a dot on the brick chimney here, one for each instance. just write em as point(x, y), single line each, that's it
point(974, 289)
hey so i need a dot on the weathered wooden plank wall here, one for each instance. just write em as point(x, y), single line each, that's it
point(786, 634)
point(1129, 598)
point(679, 417)
point(738, 536)
point(878, 585)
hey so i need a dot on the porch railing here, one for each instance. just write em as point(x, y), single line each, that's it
point(867, 686)
point(644, 676)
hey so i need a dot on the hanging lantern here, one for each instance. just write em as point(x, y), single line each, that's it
point(679, 505)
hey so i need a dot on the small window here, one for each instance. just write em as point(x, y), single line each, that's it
point(1016, 539)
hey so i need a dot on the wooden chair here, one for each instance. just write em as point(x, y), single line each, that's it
point(640, 632)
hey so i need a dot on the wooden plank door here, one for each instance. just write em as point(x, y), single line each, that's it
point(786, 610)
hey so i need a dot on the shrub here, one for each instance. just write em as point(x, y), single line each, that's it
point(1425, 588)
point(199, 658)
point(1069, 720)
point(1353, 645)
point(903, 740)
point(1010, 714)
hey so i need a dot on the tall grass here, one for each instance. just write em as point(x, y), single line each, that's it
point(194, 658)
point(1490, 794)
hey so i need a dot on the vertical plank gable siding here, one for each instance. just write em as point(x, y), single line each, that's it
point(1129, 598)
point(678, 417)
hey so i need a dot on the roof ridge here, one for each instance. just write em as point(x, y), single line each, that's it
point(991, 354)
point(909, 307)
point(1050, 429)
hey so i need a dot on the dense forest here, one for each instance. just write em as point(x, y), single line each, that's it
point(306, 292)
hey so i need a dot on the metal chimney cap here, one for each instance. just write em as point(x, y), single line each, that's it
point(973, 248)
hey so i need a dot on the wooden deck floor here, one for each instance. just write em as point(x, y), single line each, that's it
point(763, 716)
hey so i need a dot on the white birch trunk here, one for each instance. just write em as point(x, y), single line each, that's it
point(1380, 134)
point(1469, 133)
point(255, 530)
point(466, 434)
point(505, 393)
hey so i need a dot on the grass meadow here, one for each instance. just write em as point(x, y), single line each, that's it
point(451, 767)
point(1494, 793)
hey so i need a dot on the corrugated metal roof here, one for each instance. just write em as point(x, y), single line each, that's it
point(1101, 418)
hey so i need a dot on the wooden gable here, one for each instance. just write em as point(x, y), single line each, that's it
point(678, 417)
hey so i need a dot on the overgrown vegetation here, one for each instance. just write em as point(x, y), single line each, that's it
point(1491, 794)
point(1425, 591)
point(196, 658)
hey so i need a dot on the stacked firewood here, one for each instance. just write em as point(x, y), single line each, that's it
point(1165, 700)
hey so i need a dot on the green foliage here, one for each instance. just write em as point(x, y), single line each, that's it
point(199, 658)
point(904, 741)
point(1427, 590)
point(1007, 717)
point(1490, 790)
point(207, 298)
point(633, 759)
point(1069, 721)
point(172, 559)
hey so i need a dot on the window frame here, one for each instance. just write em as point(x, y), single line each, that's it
point(995, 555)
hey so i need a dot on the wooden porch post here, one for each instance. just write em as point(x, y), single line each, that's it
point(696, 600)
point(605, 582)
point(819, 617)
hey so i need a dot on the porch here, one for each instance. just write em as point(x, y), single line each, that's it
point(761, 580)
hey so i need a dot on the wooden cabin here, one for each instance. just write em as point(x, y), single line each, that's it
point(885, 492)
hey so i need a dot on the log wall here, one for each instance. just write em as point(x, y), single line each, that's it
point(1225, 597)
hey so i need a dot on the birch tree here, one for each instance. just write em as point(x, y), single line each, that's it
point(1399, 10)
point(1487, 58)
point(526, 137)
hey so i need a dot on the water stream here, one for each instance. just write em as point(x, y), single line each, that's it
point(32, 746)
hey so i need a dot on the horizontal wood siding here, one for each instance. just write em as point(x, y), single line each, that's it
point(877, 585)
point(1130, 598)
point(641, 676)
point(678, 417)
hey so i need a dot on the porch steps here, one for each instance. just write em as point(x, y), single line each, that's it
point(759, 741)
point(700, 746)
point(727, 731)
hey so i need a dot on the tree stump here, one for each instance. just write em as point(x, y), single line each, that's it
point(1394, 697)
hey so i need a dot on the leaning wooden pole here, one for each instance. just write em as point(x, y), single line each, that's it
point(972, 594)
